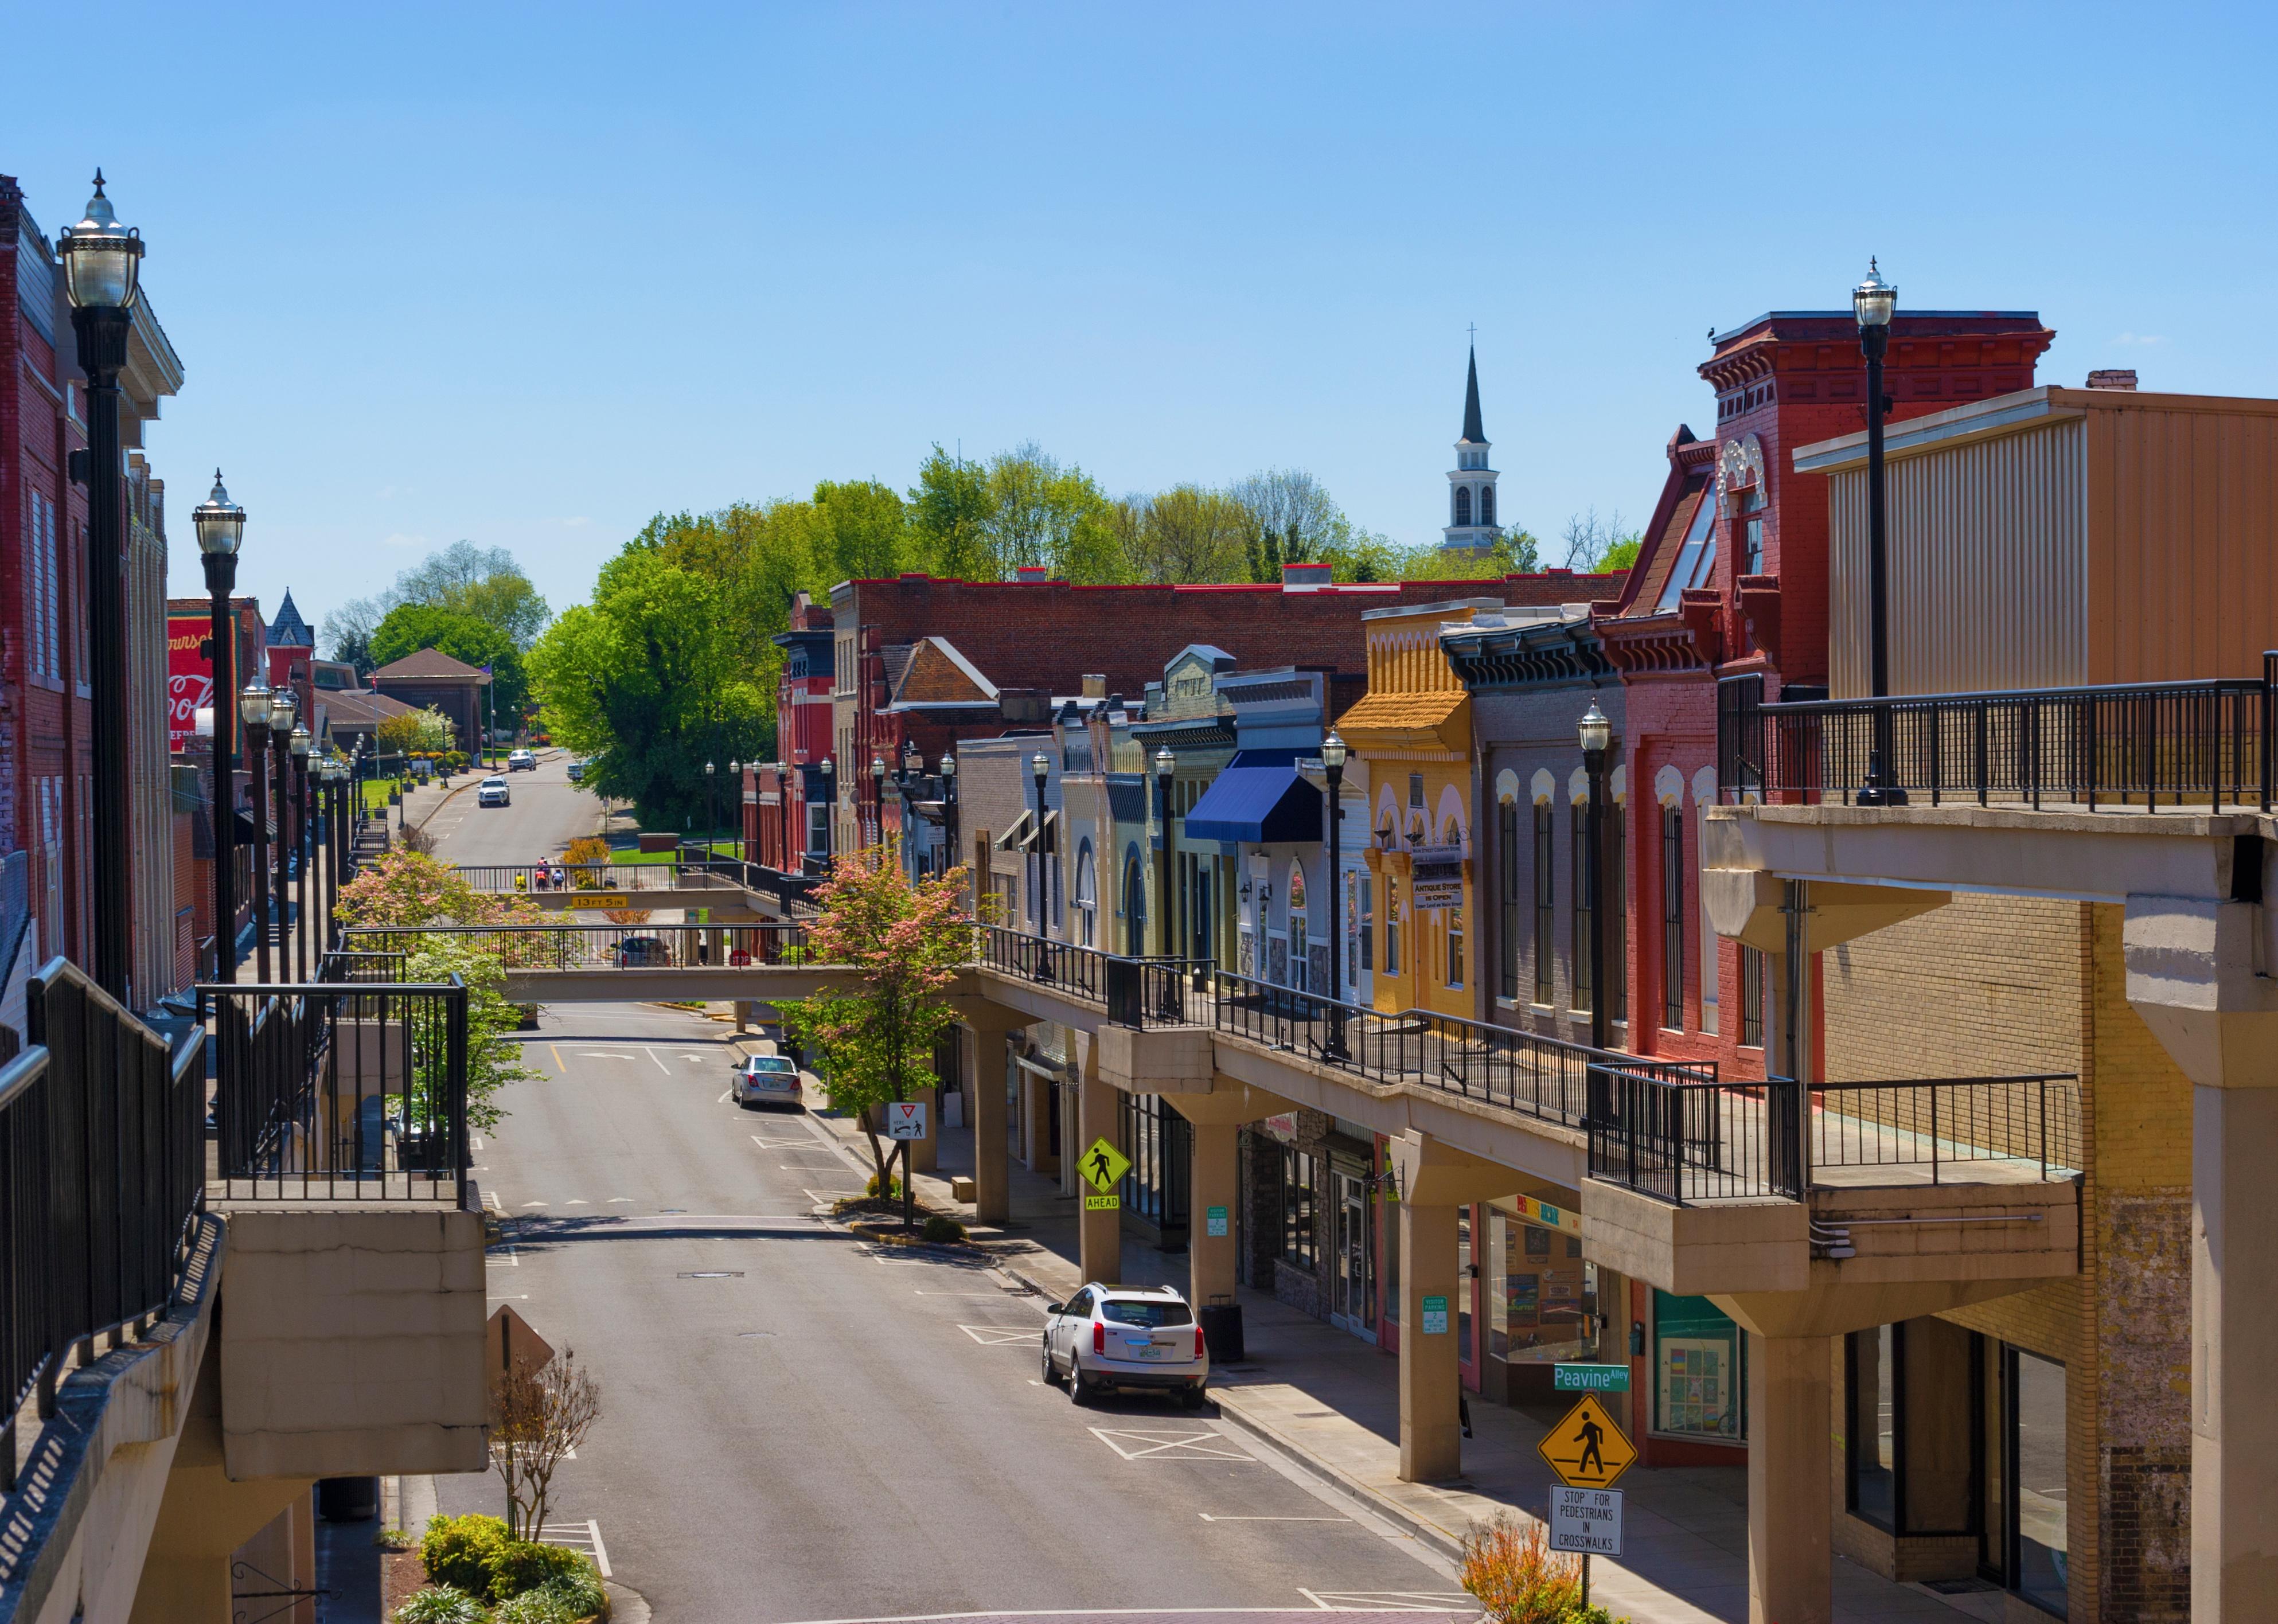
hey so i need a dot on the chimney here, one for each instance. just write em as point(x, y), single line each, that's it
point(1094, 685)
point(1296, 575)
point(2112, 378)
point(1031, 574)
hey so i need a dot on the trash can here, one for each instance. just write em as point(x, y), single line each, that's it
point(348, 1499)
point(1221, 1318)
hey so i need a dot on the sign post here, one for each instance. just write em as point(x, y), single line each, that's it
point(905, 1120)
point(1589, 1450)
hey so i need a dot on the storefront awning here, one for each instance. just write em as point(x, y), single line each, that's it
point(1261, 801)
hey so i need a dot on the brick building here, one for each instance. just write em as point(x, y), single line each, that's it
point(46, 722)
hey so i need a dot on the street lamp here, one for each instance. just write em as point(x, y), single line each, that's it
point(253, 709)
point(282, 706)
point(830, 802)
point(298, 745)
point(735, 804)
point(1039, 765)
point(1872, 301)
point(1333, 763)
point(949, 802)
point(220, 525)
point(711, 811)
point(1166, 764)
point(103, 264)
point(877, 800)
point(1596, 733)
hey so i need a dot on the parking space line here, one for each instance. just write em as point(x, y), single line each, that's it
point(1135, 1443)
point(1387, 1601)
point(1001, 1336)
point(659, 1064)
point(556, 1052)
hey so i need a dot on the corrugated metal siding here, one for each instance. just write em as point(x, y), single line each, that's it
point(1988, 565)
point(2183, 515)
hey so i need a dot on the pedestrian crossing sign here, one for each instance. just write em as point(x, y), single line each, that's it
point(1588, 1449)
point(1103, 1165)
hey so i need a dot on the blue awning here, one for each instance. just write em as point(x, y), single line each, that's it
point(1264, 802)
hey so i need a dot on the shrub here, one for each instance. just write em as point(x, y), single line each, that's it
point(582, 1591)
point(940, 1227)
point(1519, 1580)
point(456, 1551)
point(444, 1604)
point(520, 1564)
point(889, 1189)
point(540, 1606)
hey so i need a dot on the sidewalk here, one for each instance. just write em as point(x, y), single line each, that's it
point(1329, 1403)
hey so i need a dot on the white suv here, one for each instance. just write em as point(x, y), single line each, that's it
point(1107, 1337)
point(493, 792)
point(522, 761)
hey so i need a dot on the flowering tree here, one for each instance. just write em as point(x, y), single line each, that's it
point(909, 942)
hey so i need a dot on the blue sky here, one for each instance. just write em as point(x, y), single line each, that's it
point(527, 275)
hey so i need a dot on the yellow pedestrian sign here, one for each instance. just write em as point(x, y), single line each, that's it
point(1587, 1449)
point(1105, 1166)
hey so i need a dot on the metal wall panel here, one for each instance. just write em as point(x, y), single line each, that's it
point(1987, 565)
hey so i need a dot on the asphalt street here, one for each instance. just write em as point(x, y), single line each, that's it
point(798, 1425)
point(546, 813)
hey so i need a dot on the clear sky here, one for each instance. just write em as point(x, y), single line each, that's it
point(528, 275)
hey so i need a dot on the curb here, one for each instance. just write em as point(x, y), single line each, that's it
point(1422, 1528)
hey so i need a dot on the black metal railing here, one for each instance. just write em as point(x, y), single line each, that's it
point(339, 1092)
point(2025, 1127)
point(101, 1149)
point(1069, 970)
point(2141, 745)
point(1686, 1143)
point(604, 878)
point(345, 964)
point(1159, 992)
point(604, 946)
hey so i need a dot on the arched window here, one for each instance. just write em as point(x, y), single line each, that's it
point(1087, 896)
point(1463, 506)
point(1486, 504)
point(1135, 905)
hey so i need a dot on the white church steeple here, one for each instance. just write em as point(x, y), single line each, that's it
point(1472, 483)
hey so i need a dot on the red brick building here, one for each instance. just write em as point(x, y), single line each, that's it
point(1730, 596)
point(779, 830)
point(1042, 639)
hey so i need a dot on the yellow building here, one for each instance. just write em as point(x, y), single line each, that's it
point(1413, 728)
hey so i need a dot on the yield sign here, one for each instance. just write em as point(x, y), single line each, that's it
point(1587, 1449)
point(1104, 1165)
point(905, 1119)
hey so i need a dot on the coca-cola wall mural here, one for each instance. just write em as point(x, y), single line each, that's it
point(189, 677)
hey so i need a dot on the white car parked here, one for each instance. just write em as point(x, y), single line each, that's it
point(1110, 1337)
point(767, 1080)
point(492, 792)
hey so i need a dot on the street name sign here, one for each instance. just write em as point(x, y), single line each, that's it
point(1590, 1378)
point(1588, 1449)
point(1104, 1166)
point(1586, 1519)
point(905, 1119)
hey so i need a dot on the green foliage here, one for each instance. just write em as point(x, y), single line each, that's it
point(582, 1591)
point(517, 1566)
point(1509, 1566)
point(881, 1185)
point(457, 1550)
point(444, 1604)
point(949, 512)
point(863, 530)
point(942, 1228)
point(409, 627)
point(1623, 554)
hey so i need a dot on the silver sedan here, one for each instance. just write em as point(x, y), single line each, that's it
point(767, 1080)
point(1110, 1337)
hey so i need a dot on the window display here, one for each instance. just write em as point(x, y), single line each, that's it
point(1697, 1377)
point(1542, 1298)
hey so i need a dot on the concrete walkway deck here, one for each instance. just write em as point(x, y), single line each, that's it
point(1328, 1402)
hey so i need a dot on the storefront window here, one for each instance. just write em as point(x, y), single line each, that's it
point(1390, 1230)
point(1872, 1423)
point(2041, 1559)
point(1466, 1350)
point(1298, 1173)
point(1542, 1298)
point(1698, 1377)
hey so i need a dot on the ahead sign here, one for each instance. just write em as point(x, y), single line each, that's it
point(905, 1119)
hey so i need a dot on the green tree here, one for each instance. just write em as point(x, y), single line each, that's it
point(876, 1041)
point(951, 509)
point(650, 681)
point(863, 530)
point(1189, 534)
point(410, 628)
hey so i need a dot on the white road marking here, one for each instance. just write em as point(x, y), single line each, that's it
point(726, 1095)
point(659, 1064)
point(785, 1144)
point(1136, 1445)
point(595, 1054)
point(534, 1203)
point(1387, 1601)
point(577, 1201)
point(503, 1257)
point(1206, 1517)
point(474, 1141)
point(1001, 1336)
point(617, 1198)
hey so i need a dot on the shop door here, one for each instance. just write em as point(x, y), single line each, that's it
point(1353, 1300)
point(1467, 1293)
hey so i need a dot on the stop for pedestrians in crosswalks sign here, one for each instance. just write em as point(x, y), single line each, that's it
point(905, 1119)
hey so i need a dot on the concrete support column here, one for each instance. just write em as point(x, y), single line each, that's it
point(1214, 1181)
point(1790, 1520)
point(2233, 1327)
point(1431, 1430)
point(925, 1153)
point(992, 1174)
point(1099, 1114)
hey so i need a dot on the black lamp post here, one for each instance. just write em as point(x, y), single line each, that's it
point(281, 706)
point(220, 525)
point(253, 709)
point(102, 263)
point(736, 806)
point(1165, 765)
point(1872, 301)
point(1039, 765)
point(830, 822)
point(1333, 763)
point(1597, 733)
point(877, 800)
point(298, 743)
point(949, 805)
point(711, 811)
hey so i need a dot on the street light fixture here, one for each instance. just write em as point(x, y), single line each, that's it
point(1166, 764)
point(949, 802)
point(103, 268)
point(877, 800)
point(282, 704)
point(1333, 763)
point(1872, 301)
point(253, 709)
point(831, 801)
point(1597, 733)
point(1039, 765)
point(735, 804)
point(220, 526)
point(297, 743)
